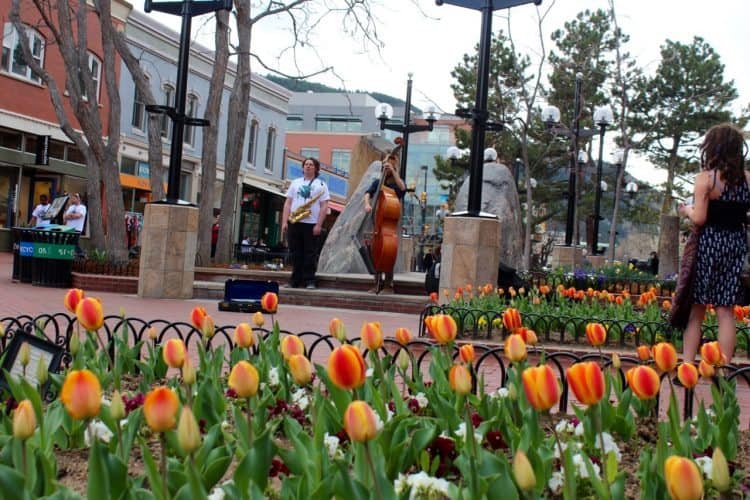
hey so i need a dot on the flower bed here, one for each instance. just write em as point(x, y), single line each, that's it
point(188, 410)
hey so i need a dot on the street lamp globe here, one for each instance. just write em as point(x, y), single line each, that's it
point(631, 188)
point(604, 186)
point(383, 111)
point(532, 181)
point(431, 114)
point(583, 156)
point(603, 116)
point(453, 153)
point(617, 156)
point(551, 115)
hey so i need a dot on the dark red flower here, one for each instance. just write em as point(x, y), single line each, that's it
point(495, 440)
point(476, 419)
point(413, 405)
point(278, 467)
point(231, 393)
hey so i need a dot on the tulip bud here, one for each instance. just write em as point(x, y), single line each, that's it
point(24, 420)
point(460, 380)
point(269, 302)
point(173, 353)
point(687, 373)
point(644, 353)
point(512, 392)
point(403, 335)
point(372, 335)
point(160, 409)
point(541, 386)
point(243, 336)
point(42, 370)
point(188, 432)
point(72, 298)
point(151, 333)
point(360, 422)
point(2, 330)
point(402, 360)
point(586, 380)
point(466, 353)
point(74, 344)
point(515, 348)
point(81, 394)
point(208, 328)
point(301, 369)
point(90, 314)
point(244, 379)
point(291, 345)
point(337, 329)
point(643, 381)
point(258, 319)
point(665, 356)
point(346, 367)
point(24, 354)
point(442, 328)
point(197, 315)
point(683, 478)
point(596, 334)
point(523, 472)
point(711, 353)
point(616, 363)
point(720, 477)
point(706, 370)
point(117, 406)
point(188, 372)
point(511, 319)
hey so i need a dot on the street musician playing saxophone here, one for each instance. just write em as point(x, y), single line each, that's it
point(305, 210)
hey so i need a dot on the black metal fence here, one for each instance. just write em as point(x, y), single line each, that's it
point(490, 363)
point(610, 283)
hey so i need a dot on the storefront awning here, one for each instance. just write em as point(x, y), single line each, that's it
point(265, 187)
point(339, 207)
point(135, 182)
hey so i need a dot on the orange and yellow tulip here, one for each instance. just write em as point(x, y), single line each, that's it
point(515, 348)
point(687, 373)
point(244, 379)
point(196, 317)
point(81, 394)
point(337, 329)
point(371, 335)
point(665, 356)
point(541, 387)
point(683, 478)
point(466, 353)
point(711, 353)
point(459, 378)
point(643, 381)
point(523, 472)
point(258, 319)
point(706, 370)
point(291, 345)
point(269, 302)
point(528, 335)
point(72, 298)
point(644, 352)
point(442, 328)
point(24, 420)
point(511, 319)
point(403, 335)
point(346, 367)
point(596, 334)
point(160, 409)
point(360, 422)
point(586, 380)
point(301, 369)
point(174, 353)
point(90, 313)
point(208, 327)
point(243, 335)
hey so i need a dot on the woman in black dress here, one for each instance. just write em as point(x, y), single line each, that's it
point(722, 199)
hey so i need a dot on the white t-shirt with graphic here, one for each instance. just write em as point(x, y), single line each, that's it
point(302, 190)
point(76, 224)
point(40, 210)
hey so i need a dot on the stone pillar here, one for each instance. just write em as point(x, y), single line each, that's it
point(470, 252)
point(567, 256)
point(168, 243)
point(597, 261)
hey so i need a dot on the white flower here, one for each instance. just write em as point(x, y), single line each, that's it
point(378, 421)
point(556, 482)
point(575, 446)
point(98, 429)
point(579, 429)
point(420, 485)
point(706, 465)
point(609, 445)
point(369, 372)
point(400, 484)
point(581, 470)
point(332, 445)
point(422, 400)
point(461, 433)
point(300, 398)
point(218, 492)
point(273, 377)
point(503, 393)
point(388, 414)
point(564, 426)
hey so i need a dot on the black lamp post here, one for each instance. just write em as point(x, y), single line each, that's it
point(479, 114)
point(384, 112)
point(423, 206)
point(187, 9)
point(603, 118)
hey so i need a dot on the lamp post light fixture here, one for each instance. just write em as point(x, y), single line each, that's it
point(384, 112)
point(187, 9)
point(603, 117)
point(632, 189)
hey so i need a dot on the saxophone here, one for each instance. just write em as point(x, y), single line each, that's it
point(303, 210)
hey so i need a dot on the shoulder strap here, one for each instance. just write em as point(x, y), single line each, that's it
point(714, 184)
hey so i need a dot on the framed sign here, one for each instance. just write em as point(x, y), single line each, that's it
point(55, 207)
point(41, 350)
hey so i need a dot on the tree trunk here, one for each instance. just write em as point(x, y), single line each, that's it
point(237, 115)
point(616, 209)
point(669, 245)
point(210, 138)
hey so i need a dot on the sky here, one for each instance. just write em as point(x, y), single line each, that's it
point(427, 40)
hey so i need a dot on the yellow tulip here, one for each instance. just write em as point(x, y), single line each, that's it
point(24, 420)
point(188, 432)
point(523, 472)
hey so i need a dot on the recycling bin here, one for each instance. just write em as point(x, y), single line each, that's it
point(53, 255)
point(23, 254)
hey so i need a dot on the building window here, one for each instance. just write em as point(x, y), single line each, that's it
point(270, 147)
point(340, 159)
point(13, 60)
point(95, 67)
point(128, 165)
point(11, 139)
point(440, 134)
point(294, 123)
point(166, 123)
point(139, 111)
point(252, 142)
point(191, 110)
point(310, 153)
point(74, 155)
point(336, 124)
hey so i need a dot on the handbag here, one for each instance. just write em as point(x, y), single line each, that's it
point(682, 301)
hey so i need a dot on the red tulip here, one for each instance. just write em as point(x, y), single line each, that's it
point(586, 380)
point(269, 302)
point(371, 335)
point(711, 353)
point(173, 353)
point(683, 478)
point(643, 381)
point(442, 328)
point(511, 319)
point(90, 313)
point(196, 317)
point(528, 336)
point(360, 422)
point(665, 356)
point(72, 298)
point(687, 373)
point(466, 353)
point(434, 297)
point(243, 335)
point(301, 369)
point(81, 394)
point(596, 334)
point(244, 379)
point(346, 367)
point(541, 387)
point(160, 409)
point(515, 348)
point(459, 378)
point(291, 345)
point(24, 420)
point(644, 352)
point(403, 335)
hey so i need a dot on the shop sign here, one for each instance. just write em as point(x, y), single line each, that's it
point(26, 249)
